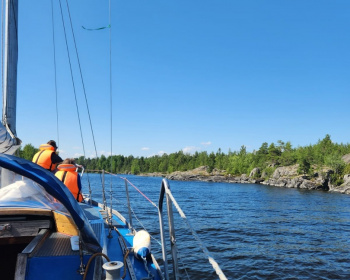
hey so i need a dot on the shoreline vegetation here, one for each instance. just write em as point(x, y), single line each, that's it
point(286, 177)
point(321, 166)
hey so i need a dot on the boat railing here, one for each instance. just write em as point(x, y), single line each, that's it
point(165, 190)
point(170, 201)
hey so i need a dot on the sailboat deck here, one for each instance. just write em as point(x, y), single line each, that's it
point(54, 249)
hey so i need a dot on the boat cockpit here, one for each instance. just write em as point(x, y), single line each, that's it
point(36, 228)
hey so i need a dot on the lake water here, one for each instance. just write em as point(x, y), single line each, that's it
point(252, 231)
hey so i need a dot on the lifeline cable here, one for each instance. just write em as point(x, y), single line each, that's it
point(130, 184)
point(141, 224)
point(140, 192)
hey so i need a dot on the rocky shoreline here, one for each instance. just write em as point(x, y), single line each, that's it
point(285, 177)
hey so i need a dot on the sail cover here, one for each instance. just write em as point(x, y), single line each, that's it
point(8, 145)
point(56, 189)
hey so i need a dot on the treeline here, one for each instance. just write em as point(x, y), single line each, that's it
point(267, 158)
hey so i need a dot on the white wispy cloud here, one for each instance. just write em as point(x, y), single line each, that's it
point(206, 143)
point(160, 153)
point(190, 149)
point(144, 148)
point(106, 154)
point(77, 155)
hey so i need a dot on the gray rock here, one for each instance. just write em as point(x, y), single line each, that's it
point(284, 177)
point(255, 173)
point(285, 171)
point(346, 179)
point(346, 158)
point(343, 188)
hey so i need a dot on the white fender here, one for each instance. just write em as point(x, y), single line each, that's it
point(142, 244)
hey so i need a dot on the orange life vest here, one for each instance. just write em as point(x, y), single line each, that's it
point(43, 157)
point(68, 175)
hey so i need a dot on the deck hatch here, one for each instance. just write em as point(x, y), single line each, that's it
point(56, 244)
point(90, 212)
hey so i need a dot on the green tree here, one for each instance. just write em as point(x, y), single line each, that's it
point(211, 162)
point(135, 167)
point(288, 156)
point(219, 160)
point(28, 152)
point(305, 159)
point(304, 166)
point(274, 153)
point(335, 163)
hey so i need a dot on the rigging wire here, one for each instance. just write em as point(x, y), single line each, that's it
point(82, 80)
point(84, 91)
point(110, 102)
point(110, 80)
point(71, 71)
point(55, 71)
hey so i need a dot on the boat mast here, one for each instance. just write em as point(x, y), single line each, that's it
point(9, 143)
point(10, 67)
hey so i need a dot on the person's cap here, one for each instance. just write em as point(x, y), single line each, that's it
point(52, 143)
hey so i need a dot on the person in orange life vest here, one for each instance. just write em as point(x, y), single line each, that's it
point(67, 173)
point(47, 156)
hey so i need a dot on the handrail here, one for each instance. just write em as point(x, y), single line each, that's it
point(103, 190)
point(161, 226)
point(166, 190)
point(129, 208)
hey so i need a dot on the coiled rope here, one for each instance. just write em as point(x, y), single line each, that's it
point(126, 252)
point(91, 259)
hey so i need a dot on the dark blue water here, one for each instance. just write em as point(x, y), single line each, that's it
point(252, 231)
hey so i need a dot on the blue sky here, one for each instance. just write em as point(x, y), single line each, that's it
point(187, 75)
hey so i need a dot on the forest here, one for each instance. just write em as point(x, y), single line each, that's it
point(268, 157)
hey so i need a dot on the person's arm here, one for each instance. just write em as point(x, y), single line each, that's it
point(55, 158)
point(80, 195)
point(79, 183)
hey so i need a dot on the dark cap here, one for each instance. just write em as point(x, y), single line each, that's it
point(52, 143)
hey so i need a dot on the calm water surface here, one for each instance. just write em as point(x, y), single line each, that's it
point(252, 231)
